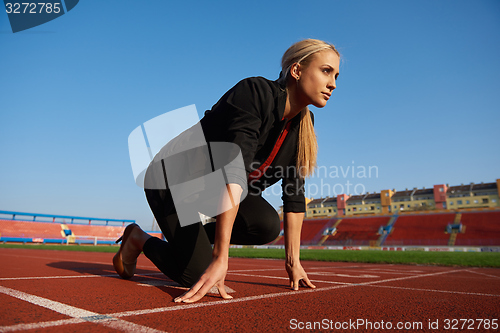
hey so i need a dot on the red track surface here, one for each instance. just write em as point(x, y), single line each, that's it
point(54, 291)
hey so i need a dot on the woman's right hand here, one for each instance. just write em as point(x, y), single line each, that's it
point(214, 275)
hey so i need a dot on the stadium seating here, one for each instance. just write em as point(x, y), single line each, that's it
point(479, 228)
point(471, 228)
point(312, 230)
point(422, 229)
point(90, 231)
point(25, 229)
point(357, 231)
point(311, 234)
point(55, 232)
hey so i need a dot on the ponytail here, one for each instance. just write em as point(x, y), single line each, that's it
point(307, 148)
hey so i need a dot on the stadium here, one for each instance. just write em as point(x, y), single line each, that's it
point(442, 216)
point(445, 216)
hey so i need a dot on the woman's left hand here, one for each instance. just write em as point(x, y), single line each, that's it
point(297, 275)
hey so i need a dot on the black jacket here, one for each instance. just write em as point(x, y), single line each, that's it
point(251, 115)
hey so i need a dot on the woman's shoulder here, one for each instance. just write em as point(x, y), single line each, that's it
point(253, 95)
point(259, 84)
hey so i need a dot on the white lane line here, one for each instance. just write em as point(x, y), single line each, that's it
point(160, 273)
point(130, 326)
point(395, 273)
point(32, 326)
point(127, 326)
point(73, 260)
point(47, 303)
point(409, 277)
point(285, 278)
point(472, 271)
point(230, 301)
point(255, 270)
point(438, 291)
point(283, 268)
point(71, 311)
point(265, 296)
point(53, 277)
point(60, 259)
point(149, 274)
point(393, 270)
point(172, 284)
point(379, 272)
point(362, 276)
point(71, 276)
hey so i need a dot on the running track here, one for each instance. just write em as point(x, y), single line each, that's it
point(58, 291)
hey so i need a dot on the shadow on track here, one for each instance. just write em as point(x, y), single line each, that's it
point(93, 268)
point(142, 276)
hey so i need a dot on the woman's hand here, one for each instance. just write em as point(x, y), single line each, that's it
point(214, 275)
point(297, 275)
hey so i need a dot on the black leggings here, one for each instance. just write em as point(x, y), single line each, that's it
point(188, 251)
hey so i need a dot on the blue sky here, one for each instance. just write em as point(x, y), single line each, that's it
point(417, 97)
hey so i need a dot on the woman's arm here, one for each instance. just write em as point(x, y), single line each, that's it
point(296, 274)
point(215, 273)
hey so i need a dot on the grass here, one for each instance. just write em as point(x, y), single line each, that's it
point(82, 248)
point(463, 259)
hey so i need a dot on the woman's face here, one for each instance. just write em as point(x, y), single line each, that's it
point(316, 81)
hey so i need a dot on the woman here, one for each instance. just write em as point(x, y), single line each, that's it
point(271, 123)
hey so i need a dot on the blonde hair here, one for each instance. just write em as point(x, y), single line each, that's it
point(307, 148)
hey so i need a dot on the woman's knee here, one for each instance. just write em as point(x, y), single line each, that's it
point(272, 235)
point(269, 229)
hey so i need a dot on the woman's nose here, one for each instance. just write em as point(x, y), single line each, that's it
point(332, 85)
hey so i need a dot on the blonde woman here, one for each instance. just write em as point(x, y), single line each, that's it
point(271, 123)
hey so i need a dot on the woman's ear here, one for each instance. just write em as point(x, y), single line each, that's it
point(295, 71)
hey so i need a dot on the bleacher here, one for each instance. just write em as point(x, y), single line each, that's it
point(479, 228)
point(43, 228)
point(468, 228)
point(359, 231)
point(25, 231)
point(61, 233)
point(312, 231)
point(420, 229)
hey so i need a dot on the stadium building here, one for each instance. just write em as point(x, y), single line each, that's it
point(440, 198)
